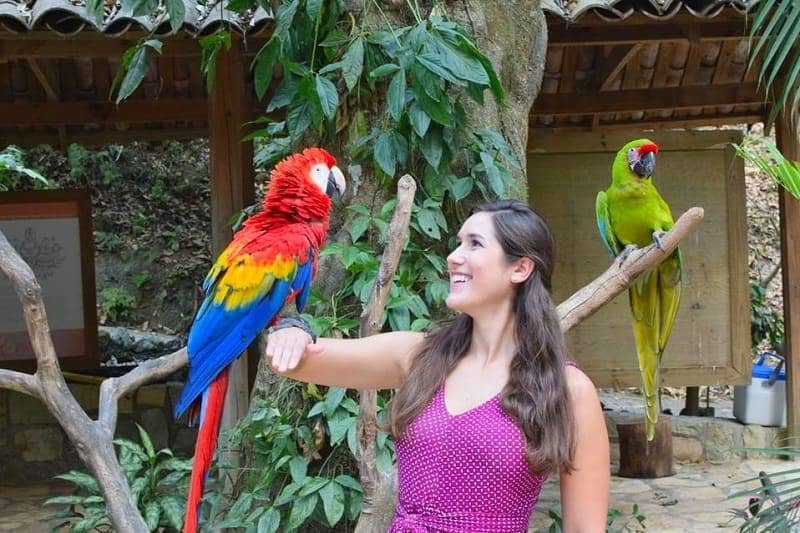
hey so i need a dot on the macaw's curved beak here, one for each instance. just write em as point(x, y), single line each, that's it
point(645, 166)
point(336, 183)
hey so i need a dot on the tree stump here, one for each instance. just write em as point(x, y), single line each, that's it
point(641, 458)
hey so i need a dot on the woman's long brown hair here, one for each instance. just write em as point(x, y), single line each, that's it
point(536, 393)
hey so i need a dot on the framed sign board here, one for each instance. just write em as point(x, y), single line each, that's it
point(52, 231)
point(710, 342)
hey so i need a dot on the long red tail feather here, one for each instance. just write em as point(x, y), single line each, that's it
point(204, 448)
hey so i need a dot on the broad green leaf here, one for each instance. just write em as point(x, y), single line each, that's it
point(297, 469)
point(353, 63)
point(459, 63)
point(439, 111)
point(396, 95)
point(358, 227)
point(461, 187)
point(298, 119)
point(284, 19)
point(349, 482)
point(492, 173)
point(152, 515)
point(318, 408)
point(312, 485)
point(285, 93)
point(135, 73)
point(313, 8)
point(335, 38)
point(338, 426)
point(400, 147)
point(146, 442)
point(65, 500)
point(328, 97)
point(287, 494)
point(427, 223)
point(176, 11)
point(419, 120)
point(384, 154)
point(433, 63)
point(431, 146)
point(81, 479)
point(332, 497)
point(263, 65)
point(384, 70)
point(334, 397)
point(301, 510)
point(269, 521)
point(173, 508)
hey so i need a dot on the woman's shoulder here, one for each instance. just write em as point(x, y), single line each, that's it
point(578, 383)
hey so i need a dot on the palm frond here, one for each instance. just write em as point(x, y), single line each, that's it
point(775, 31)
point(764, 155)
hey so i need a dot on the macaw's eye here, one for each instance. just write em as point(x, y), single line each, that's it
point(632, 151)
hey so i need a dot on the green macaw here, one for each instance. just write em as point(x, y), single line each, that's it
point(631, 213)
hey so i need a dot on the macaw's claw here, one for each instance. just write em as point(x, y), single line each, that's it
point(657, 236)
point(625, 253)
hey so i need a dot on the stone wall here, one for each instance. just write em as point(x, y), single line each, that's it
point(708, 439)
point(33, 447)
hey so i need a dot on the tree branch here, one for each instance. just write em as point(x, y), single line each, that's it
point(111, 390)
point(622, 273)
point(375, 486)
point(20, 382)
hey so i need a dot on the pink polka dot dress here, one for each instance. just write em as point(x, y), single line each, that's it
point(464, 473)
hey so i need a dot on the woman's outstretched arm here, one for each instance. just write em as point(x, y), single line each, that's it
point(375, 362)
point(585, 491)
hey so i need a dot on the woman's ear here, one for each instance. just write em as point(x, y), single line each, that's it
point(523, 269)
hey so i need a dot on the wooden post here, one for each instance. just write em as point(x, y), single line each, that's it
point(232, 185)
point(641, 458)
point(790, 266)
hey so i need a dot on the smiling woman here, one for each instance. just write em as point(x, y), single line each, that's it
point(488, 405)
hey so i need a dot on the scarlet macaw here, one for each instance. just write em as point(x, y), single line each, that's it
point(271, 261)
point(632, 212)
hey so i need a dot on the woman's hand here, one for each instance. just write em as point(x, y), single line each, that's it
point(287, 346)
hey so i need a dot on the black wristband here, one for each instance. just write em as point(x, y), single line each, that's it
point(294, 322)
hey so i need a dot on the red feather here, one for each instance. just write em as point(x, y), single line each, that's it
point(204, 448)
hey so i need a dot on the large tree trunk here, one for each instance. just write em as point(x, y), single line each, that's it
point(513, 35)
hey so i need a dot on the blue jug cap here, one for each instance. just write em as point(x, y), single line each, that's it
point(763, 371)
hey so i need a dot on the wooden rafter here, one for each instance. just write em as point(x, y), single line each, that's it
point(654, 124)
point(647, 99)
point(102, 112)
point(612, 64)
point(101, 137)
point(52, 92)
point(578, 35)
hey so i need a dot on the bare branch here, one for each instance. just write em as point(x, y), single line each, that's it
point(376, 486)
point(621, 274)
point(113, 389)
point(19, 382)
point(94, 445)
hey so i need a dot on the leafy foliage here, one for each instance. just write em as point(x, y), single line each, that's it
point(774, 503)
point(13, 168)
point(784, 172)
point(617, 521)
point(776, 30)
point(766, 323)
point(287, 486)
point(157, 480)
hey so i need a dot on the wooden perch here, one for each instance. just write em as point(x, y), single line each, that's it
point(92, 439)
point(375, 485)
point(622, 273)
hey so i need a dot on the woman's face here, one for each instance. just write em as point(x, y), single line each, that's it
point(480, 274)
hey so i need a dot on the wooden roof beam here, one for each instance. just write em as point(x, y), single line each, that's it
point(103, 112)
point(621, 33)
point(653, 124)
point(647, 99)
point(612, 65)
point(114, 48)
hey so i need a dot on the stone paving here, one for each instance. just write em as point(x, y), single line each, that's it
point(694, 499)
